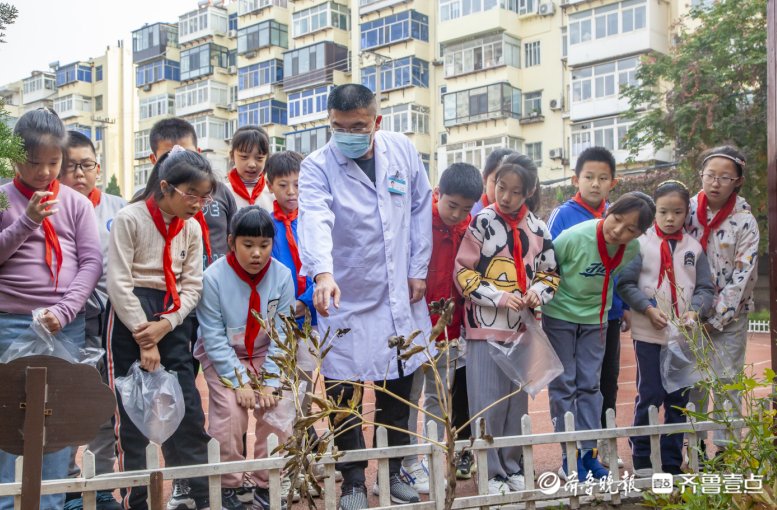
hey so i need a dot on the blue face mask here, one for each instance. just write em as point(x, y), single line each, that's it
point(352, 145)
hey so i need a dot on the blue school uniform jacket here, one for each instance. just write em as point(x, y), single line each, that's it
point(282, 252)
point(569, 214)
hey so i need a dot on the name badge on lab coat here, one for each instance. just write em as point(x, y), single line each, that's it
point(397, 185)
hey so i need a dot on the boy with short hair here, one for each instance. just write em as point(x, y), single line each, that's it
point(81, 173)
point(594, 179)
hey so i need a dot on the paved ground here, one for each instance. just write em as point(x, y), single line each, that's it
point(547, 457)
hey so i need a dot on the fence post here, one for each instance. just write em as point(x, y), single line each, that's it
point(152, 462)
point(275, 476)
point(655, 440)
point(528, 460)
point(693, 440)
point(384, 487)
point(330, 489)
point(156, 491)
point(18, 465)
point(728, 414)
point(481, 454)
point(571, 449)
point(214, 481)
point(615, 469)
point(89, 498)
point(437, 469)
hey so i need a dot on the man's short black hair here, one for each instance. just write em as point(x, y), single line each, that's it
point(76, 139)
point(281, 164)
point(600, 154)
point(462, 179)
point(172, 129)
point(350, 96)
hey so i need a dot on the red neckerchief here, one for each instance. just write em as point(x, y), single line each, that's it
point(94, 196)
point(596, 213)
point(286, 219)
point(701, 215)
point(200, 217)
point(667, 263)
point(512, 223)
point(168, 233)
point(455, 232)
point(254, 302)
point(484, 200)
point(49, 233)
point(609, 263)
point(239, 187)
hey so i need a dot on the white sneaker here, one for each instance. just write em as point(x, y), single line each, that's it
point(498, 485)
point(417, 476)
point(603, 447)
point(296, 496)
point(516, 482)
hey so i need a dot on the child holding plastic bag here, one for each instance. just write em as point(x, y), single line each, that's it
point(505, 265)
point(589, 255)
point(154, 283)
point(49, 259)
point(233, 346)
point(668, 281)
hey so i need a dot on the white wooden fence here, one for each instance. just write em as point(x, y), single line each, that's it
point(758, 327)
point(90, 484)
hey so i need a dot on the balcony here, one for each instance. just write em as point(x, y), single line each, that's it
point(496, 101)
point(72, 105)
point(259, 79)
point(490, 21)
point(202, 23)
point(254, 6)
point(211, 133)
point(314, 65)
point(262, 35)
point(38, 87)
point(201, 96)
point(72, 73)
point(202, 60)
point(368, 6)
point(152, 41)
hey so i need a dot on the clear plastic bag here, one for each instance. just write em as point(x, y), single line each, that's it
point(527, 357)
point(39, 341)
point(153, 401)
point(282, 416)
point(678, 362)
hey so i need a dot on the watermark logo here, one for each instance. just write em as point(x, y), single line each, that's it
point(662, 483)
point(548, 483)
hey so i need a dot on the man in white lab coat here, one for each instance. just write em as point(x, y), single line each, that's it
point(365, 227)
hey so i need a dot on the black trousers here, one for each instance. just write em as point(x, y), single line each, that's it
point(611, 368)
point(189, 444)
point(460, 403)
point(388, 411)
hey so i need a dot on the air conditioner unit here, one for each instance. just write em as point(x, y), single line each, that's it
point(232, 33)
point(547, 9)
point(147, 87)
point(232, 69)
point(556, 104)
point(232, 107)
point(557, 153)
point(250, 54)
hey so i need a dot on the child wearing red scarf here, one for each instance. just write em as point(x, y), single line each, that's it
point(669, 280)
point(505, 264)
point(589, 255)
point(154, 283)
point(247, 180)
point(233, 346)
point(720, 219)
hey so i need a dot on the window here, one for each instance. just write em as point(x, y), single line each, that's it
point(564, 42)
point(395, 28)
point(532, 103)
point(39, 82)
point(262, 113)
point(527, 7)
point(142, 144)
point(152, 41)
point(232, 21)
point(399, 73)
point(141, 175)
point(481, 53)
point(72, 104)
point(159, 70)
point(261, 35)
point(308, 102)
point(198, 61)
point(607, 21)
point(277, 144)
point(534, 151)
point(98, 103)
point(609, 133)
point(210, 127)
point(262, 73)
point(475, 152)
point(308, 140)
point(603, 80)
point(98, 73)
point(156, 106)
point(73, 73)
point(452, 9)
point(249, 6)
point(209, 21)
point(313, 65)
point(473, 105)
point(321, 16)
point(84, 130)
point(406, 118)
point(99, 133)
point(207, 93)
point(531, 54)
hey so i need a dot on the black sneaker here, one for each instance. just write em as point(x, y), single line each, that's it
point(262, 499)
point(181, 498)
point(401, 491)
point(464, 466)
point(353, 496)
point(245, 493)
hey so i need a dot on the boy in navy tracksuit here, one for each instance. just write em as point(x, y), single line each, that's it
point(595, 178)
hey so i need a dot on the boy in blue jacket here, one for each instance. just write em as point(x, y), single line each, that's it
point(594, 179)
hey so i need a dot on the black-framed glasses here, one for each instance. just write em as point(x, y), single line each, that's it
point(724, 180)
point(193, 199)
point(86, 166)
point(357, 131)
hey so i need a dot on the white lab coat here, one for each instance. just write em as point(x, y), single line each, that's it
point(372, 241)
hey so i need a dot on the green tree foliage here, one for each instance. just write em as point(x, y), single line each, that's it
point(113, 187)
point(8, 14)
point(709, 90)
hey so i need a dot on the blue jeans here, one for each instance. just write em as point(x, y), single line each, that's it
point(55, 464)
